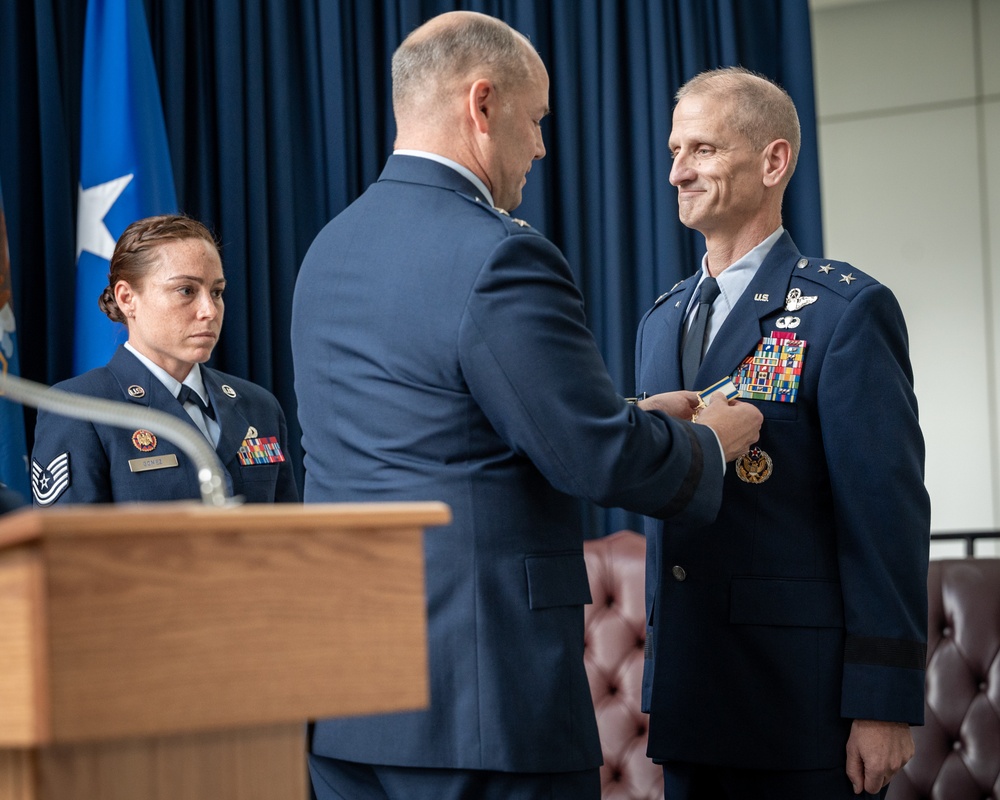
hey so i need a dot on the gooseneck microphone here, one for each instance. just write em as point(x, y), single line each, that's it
point(126, 415)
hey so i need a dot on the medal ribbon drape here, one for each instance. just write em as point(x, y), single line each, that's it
point(125, 171)
point(694, 341)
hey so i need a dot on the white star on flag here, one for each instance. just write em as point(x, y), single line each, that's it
point(92, 234)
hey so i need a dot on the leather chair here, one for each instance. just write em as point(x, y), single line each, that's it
point(615, 636)
point(958, 748)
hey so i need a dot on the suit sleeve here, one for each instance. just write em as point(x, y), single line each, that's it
point(534, 368)
point(875, 454)
point(286, 490)
point(88, 470)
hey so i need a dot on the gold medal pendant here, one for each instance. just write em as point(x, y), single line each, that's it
point(754, 466)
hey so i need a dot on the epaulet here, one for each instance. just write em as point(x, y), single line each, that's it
point(837, 276)
point(499, 213)
point(670, 291)
point(504, 213)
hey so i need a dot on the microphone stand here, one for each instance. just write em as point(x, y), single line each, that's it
point(126, 415)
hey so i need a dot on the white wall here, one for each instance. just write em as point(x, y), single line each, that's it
point(908, 97)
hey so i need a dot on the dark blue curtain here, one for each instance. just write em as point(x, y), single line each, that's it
point(278, 115)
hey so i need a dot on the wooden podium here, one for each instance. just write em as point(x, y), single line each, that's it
point(172, 651)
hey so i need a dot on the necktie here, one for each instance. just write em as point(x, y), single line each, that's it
point(189, 395)
point(694, 342)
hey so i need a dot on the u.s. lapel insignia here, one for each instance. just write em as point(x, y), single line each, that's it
point(754, 466)
point(797, 300)
point(136, 391)
point(48, 483)
point(251, 433)
point(228, 390)
point(144, 441)
point(761, 297)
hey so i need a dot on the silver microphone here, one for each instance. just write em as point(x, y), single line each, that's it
point(126, 415)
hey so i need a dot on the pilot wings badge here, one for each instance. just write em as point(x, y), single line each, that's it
point(796, 300)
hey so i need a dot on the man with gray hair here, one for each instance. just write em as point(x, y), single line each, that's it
point(786, 641)
point(441, 353)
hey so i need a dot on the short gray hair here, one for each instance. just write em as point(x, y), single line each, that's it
point(760, 110)
point(425, 63)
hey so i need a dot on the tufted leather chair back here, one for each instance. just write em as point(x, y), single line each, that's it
point(615, 636)
point(958, 748)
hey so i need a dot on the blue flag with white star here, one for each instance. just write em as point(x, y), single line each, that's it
point(13, 448)
point(125, 171)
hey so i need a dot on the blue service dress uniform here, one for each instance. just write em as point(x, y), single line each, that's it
point(74, 461)
point(441, 353)
point(803, 605)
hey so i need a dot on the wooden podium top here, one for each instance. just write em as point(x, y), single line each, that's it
point(119, 621)
point(137, 519)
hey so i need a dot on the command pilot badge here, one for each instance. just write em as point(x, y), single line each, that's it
point(796, 300)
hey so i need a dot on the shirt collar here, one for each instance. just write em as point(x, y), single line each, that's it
point(734, 279)
point(193, 378)
point(465, 172)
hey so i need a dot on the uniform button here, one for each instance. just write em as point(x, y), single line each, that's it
point(679, 573)
point(802, 263)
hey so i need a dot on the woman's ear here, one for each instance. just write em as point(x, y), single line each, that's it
point(125, 298)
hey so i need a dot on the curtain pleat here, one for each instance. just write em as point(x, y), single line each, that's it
point(279, 114)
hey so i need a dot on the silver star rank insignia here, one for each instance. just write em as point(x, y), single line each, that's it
point(847, 278)
point(826, 269)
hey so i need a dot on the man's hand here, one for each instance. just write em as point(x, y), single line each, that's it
point(876, 751)
point(680, 405)
point(736, 424)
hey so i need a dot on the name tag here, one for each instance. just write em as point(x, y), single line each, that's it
point(153, 462)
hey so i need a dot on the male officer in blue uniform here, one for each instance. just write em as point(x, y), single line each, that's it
point(787, 638)
point(441, 353)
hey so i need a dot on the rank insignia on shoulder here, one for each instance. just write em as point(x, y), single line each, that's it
point(49, 482)
point(262, 450)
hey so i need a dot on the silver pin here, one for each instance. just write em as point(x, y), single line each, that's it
point(228, 390)
point(788, 322)
point(761, 297)
point(796, 300)
point(847, 278)
point(826, 269)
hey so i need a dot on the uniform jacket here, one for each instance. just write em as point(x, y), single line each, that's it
point(803, 605)
point(99, 455)
point(441, 353)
